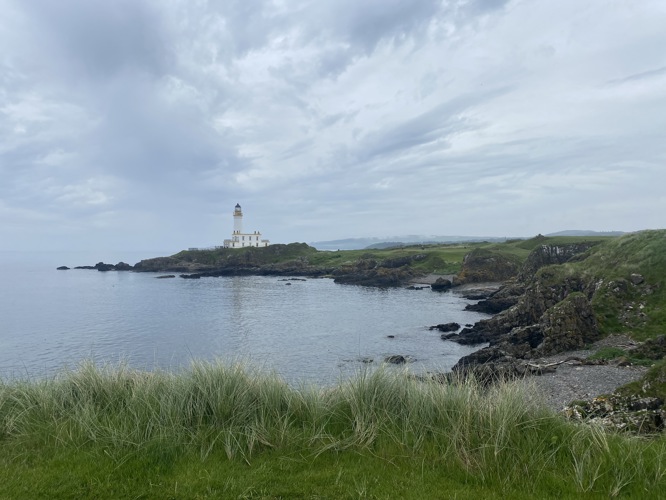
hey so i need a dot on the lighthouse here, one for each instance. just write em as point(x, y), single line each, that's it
point(239, 239)
point(238, 219)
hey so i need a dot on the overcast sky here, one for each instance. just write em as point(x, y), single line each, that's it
point(139, 124)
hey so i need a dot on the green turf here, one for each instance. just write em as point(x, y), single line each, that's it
point(218, 431)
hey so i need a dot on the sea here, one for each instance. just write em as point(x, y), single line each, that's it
point(310, 331)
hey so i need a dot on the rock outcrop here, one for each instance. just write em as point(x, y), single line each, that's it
point(546, 310)
point(370, 272)
point(547, 255)
point(441, 285)
point(101, 266)
point(496, 302)
point(483, 265)
point(446, 327)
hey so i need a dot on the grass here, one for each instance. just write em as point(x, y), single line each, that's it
point(610, 353)
point(225, 431)
point(653, 384)
point(433, 258)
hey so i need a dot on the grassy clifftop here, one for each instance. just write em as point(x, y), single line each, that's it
point(626, 279)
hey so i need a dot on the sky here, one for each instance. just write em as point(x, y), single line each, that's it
point(139, 124)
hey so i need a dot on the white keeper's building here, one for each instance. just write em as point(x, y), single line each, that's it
point(239, 239)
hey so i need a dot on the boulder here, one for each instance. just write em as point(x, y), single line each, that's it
point(441, 285)
point(398, 359)
point(636, 279)
point(492, 364)
point(446, 327)
point(63, 268)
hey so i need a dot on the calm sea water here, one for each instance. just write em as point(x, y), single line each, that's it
point(312, 331)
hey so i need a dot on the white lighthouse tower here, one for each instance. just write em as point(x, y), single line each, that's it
point(238, 219)
point(239, 239)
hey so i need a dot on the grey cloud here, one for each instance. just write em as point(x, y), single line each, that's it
point(485, 5)
point(249, 22)
point(364, 24)
point(100, 39)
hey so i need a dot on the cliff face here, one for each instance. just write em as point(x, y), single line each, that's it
point(482, 265)
point(547, 255)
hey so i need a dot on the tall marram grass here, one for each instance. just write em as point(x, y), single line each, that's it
point(500, 435)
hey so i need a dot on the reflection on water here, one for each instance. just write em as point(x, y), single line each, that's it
point(309, 331)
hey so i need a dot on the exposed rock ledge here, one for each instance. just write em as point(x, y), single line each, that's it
point(101, 266)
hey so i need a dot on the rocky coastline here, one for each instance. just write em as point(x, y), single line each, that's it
point(545, 332)
point(550, 318)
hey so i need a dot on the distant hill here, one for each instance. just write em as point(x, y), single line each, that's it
point(576, 232)
point(396, 241)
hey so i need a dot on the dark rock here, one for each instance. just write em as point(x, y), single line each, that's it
point(165, 276)
point(477, 294)
point(63, 268)
point(398, 359)
point(288, 284)
point(369, 273)
point(122, 266)
point(390, 336)
point(569, 325)
point(85, 267)
point(191, 276)
point(636, 279)
point(492, 364)
point(101, 266)
point(492, 306)
point(446, 327)
point(499, 300)
point(441, 285)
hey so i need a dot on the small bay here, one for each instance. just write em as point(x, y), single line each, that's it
point(308, 331)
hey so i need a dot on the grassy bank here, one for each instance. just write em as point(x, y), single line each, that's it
point(431, 258)
point(220, 431)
